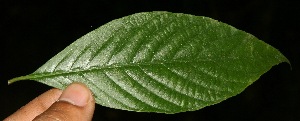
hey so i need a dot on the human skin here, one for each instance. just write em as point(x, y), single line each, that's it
point(75, 103)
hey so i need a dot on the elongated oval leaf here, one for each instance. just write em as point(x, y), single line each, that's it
point(161, 62)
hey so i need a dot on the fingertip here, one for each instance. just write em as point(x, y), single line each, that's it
point(76, 103)
point(77, 94)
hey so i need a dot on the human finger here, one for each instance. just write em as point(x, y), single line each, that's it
point(36, 106)
point(76, 103)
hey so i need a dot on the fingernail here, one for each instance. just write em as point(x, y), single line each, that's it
point(77, 94)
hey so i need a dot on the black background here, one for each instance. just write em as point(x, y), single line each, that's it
point(34, 31)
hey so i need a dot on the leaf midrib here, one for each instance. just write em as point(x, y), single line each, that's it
point(37, 75)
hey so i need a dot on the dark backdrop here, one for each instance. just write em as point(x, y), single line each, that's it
point(31, 32)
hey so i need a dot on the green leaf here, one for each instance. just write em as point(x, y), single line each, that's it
point(161, 62)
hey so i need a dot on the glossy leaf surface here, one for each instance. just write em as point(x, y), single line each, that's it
point(161, 62)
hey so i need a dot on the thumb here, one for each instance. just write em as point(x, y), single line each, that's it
point(75, 104)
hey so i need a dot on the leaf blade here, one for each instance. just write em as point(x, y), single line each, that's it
point(161, 62)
